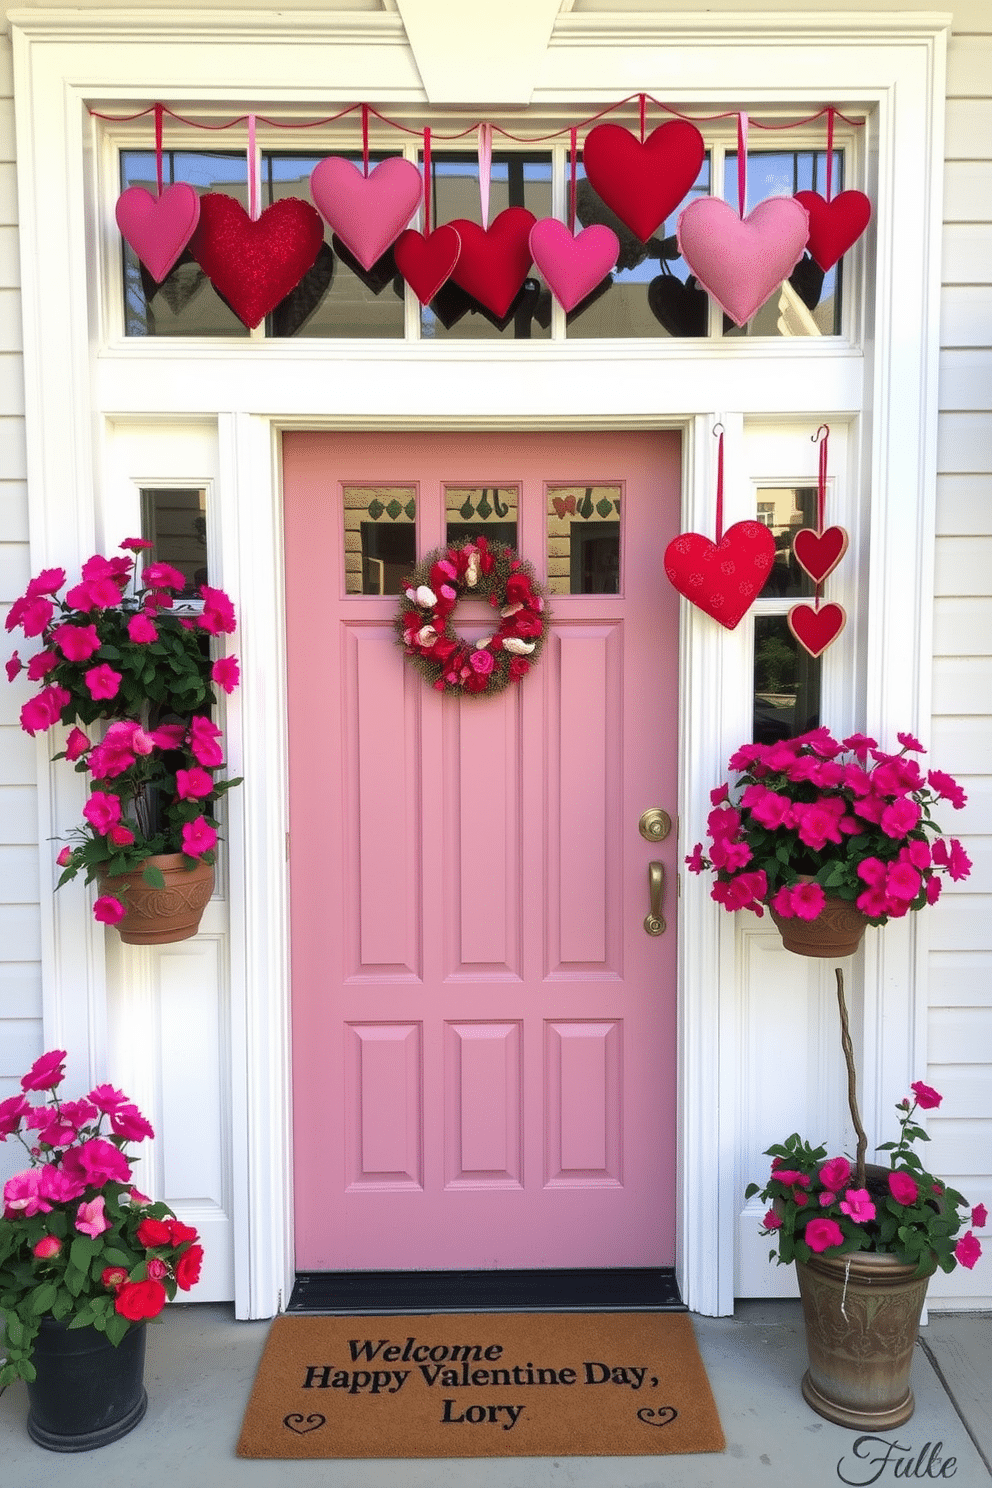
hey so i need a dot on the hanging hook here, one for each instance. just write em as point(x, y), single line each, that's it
point(718, 429)
point(824, 429)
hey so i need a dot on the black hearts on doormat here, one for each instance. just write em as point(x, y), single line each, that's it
point(302, 1424)
point(683, 309)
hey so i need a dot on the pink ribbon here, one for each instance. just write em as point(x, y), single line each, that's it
point(718, 431)
point(485, 170)
point(254, 182)
point(158, 146)
point(741, 164)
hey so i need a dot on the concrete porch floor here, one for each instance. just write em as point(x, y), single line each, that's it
point(201, 1364)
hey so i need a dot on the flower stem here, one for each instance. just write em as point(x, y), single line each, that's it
point(852, 1082)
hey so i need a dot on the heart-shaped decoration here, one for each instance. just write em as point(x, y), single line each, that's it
point(815, 629)
point(819, 552)
point(573, 266)
point(158, 227)
point(741, 262)
point(302, 1424)
point(643, 183)
point(255, 264)
point(682, 309)
point(834, 225)
point(426, 262)
point(563, 504)
point(292, 313)
point(493, 263)
point(725, 578)
point(368, 213)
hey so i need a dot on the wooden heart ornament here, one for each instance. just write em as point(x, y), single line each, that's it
point(741, 261)
point(643, 183)
point(573, 266)
point(426, 262)
point(819, 552)
point(255, 264)
point(834, 225)
point(814, 629)
point(158, 227)
point(493, 263)
point(368, 213)
point(725, 578)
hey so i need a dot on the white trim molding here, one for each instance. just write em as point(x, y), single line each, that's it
point(879, 379)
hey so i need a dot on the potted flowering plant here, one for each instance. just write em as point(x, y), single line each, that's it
point(837, 832)
point(85, 1260)
point(117, 653)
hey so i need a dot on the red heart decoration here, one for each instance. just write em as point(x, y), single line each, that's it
point(563, 504)
point(254, 265)
point(819, 552)
point(643, 183)
point(158, 227)
point(493, 263)
point(723, 578)
point(815, 629)
point(834, 225)
point(426, 263)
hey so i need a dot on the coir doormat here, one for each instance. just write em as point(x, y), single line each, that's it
point(481, 1385)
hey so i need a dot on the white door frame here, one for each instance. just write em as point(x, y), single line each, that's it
point(80, 374)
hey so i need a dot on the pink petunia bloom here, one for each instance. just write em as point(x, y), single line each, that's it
point(900, 817)
point(103, 681)
point(46, 1072)
point(903, 881)
point(107, 1098)
point(76, 745)
point(35, 614)
point(162, 576)
point(141, 630)
point(782, 902)
point(76, 642)
point(916, 852)
point(792, 1177)
point(967, 1250)
point(857, 1204)
point(870, 808)
point(695, 862)
point(39, 713)
point(771, 1221)
point(21, 1196)
point(903, 1188)
point(979, 1216)
point(872, 871)
point(723, 822)
point(47, 582)
point(808, 900)
point(98, 1162)
point(168, 735)
point(59, 1186)
point(730, 855)
point(719, 793)
point(135, 544)
point(835, 1173)
point(909, 742)
point(12, 1112)
point(773, 811)
point(226, 672)
point(193, 784)
point(41, 664)
point(120, 835)
point(14, 666)
point(203, 742)
point(198, 837)
point(218, 612)
point(859, 745)
point(827, 1198)
point(821, 1234)
point(102, 811)
point(90, 1218)
point(128, 1122)
point(108, 910)
point(817, 824)
point(958, 861)
point(947, 787)
point(927, 1098)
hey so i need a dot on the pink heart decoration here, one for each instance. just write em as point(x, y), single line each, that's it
point(158, 227)
point(724, 578)
point(255, 264)
point(741, 262)
point(494, 261)
point(815, 629)
point(426, 263)
point(573, 266)
point(819, 552)
point(368, 213)
point(643, 183)
point(834, 225)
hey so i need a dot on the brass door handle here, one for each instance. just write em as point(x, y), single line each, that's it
point(654, 924)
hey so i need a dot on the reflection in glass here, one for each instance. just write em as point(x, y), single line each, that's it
point(786, 682)
point(809, 302)
point(380, 538)
point(175, 522)
point(481, 511)
point(784, 509)
point(584, 539)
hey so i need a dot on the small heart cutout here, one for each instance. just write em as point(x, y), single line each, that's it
point(426, 262)
point(368, 213)
point(834, 225)
point(573, 265)
point(815, 629)
point(302, 1424)
point(158, 228)
point(643, 183)
point(742, 262)
point(722, 579)
point(819, 552)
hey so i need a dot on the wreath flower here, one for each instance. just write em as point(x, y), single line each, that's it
point(485, 570)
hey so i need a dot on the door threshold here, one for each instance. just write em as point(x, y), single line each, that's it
point(630, 1289)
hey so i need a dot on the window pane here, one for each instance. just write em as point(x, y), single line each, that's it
point(809, 303)
point(651, 291)
point(380, 537)
point(584, 539)
point(185, 303)
point(786, 682)
point(784, 509)
point(518, 180)
point(175, 522)
point(481, 511)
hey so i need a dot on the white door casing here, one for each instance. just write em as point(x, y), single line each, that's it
point(81, 375)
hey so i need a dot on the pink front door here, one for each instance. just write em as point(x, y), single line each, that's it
point(483, 1030)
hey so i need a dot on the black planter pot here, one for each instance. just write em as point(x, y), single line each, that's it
point(87, 1392)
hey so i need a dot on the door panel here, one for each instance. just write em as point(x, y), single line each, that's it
point(484, 1034)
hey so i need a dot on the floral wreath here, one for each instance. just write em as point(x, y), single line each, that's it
point(487, 570)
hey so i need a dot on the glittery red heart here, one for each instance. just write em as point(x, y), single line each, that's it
point(819, 552)
point(493, 263)
point(815, 629)
point(643, 183)
point(426, 262)
point(724, 578)
point(254, 265)
point(834, 225)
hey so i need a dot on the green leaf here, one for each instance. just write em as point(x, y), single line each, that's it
point(41, 1299)
point(15, 1330)
point(153, 875)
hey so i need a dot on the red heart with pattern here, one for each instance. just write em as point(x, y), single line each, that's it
point(493, 263)
point(254, 265)
point(815, 629)
point(426, 262)
point(834, 225)
point(725, 578)
point(819, 552)
point(158, 227)
point(563, 504)
point(643, 183)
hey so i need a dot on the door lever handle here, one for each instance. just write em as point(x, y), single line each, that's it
point(654, 923)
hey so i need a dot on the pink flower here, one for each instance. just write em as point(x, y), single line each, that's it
point(926, 1097)
point(108, 911)
point(47, 1247)
point(835, 1173)
point(903, 1188)
point(226, 672)
point(979, 1216)
point(188, 1267)
point(97, 1162)
point(128, 1122)
point(858, 1205)
point(105, 1097)
point(900, 818)
point(947, 786)
point(821, 1234)
point(156, 1268)
point(719, 793)
point(817, 825)
point(34, 614)
point(76, 745)
point(120, 835)
point(41, 712)
point(168, 735)
point(967, 1250)
point(808, 900)
point(47, 582)
point(772, 810)
point(909, 742)
point(113, 1277)
point(14, 665)
point(792, 1177)
point(76, 642)
point(46, 1072)
point(141, 630)
point(21, 1196)
point(218, 612)
point(90, 1218)
point(203, 737)
point(859, 745)
point(958, 861)
point(135, 544)
point(102, 811)
point(782, 902)
point(695, 862)
point(729, 855)
point(192, 784)
point(481, 662)
point(198, 837)
point(163, 576)
point(59, 1186)
point(771, 1221)
point(12, 1112)
point(103, 681)
point(903, 881)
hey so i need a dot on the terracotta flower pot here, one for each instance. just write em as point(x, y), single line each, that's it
point(159, 916)
point(862, 1315)
point(836, 931)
